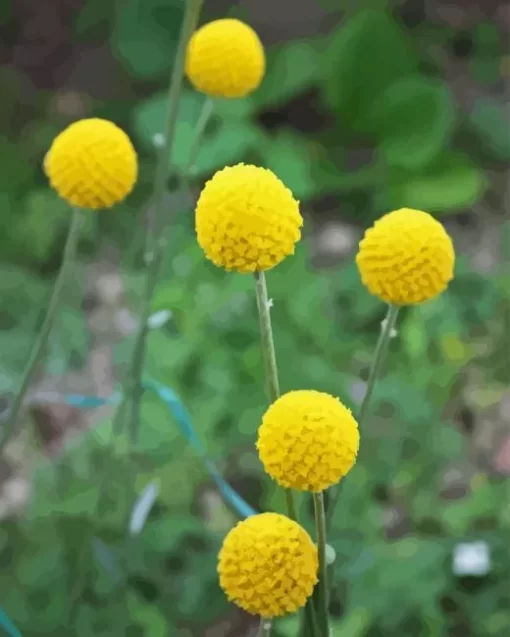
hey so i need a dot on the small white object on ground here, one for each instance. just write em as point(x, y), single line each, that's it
point(471, 558)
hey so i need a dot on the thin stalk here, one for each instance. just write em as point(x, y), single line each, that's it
point(157, 239)
point(39, 346)
point(381, 349)
point(265, 628)
point(322, 586)
point(269, 355)
point(203, 119)
point(309, 626)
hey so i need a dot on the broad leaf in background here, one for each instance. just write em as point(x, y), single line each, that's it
point(92, 16)
point(292, 68)
point(413, 121)
point(227, 143)
point(289, 156)
point(145, 35)
point(44, 220)
point(451, 182)
point(492, 123)
point(364, 56)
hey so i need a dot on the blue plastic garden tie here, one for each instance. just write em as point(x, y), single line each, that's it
point(6, 623)
point(183, 419)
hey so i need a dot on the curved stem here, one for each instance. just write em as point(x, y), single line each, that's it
point(322, 586)
point(156, 236)
point(269, 355)
point(387, 327)
point(38, 348)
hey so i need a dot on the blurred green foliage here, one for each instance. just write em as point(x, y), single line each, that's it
point(69, 565)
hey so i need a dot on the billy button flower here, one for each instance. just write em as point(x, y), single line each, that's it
point(247, 220)
point(308, 440)
point(92, 164)
point(406, 257)
point(268, 565)
point(225, 58)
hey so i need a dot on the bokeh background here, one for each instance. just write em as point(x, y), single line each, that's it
point(367, 106)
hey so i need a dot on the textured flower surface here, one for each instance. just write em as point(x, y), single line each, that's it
point(268, 565)
point(92, 164)
point(225, 58)
point(308, 440)
point(246, 219)
point(406, 257)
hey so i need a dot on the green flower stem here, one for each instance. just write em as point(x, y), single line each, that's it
point(309, 623)
point(156, 237)
point(203, 119)
point(379, 356)
point(322, 586)
point(38, 348)
point(265, 628)
point(375, 370)
point(268, 352)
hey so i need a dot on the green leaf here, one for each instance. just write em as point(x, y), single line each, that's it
point(291, 68)
point(228, 146)
point(450, 183)
point(354, 624)
point(93, 14)
point(288, 156)
point(448, 442)
point(145, 35)
point(459, 516)
point(363, 58)
point(490, 121)
point(44, 221)
point(5, 12)
point(413, 120)
point(485, 62)
point(226, 143)
point(16, 174)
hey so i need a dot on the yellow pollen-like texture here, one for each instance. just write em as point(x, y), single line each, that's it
point(92, 164)
point(246, 219)
point(225, 58)
point(308, 440)
point(268, 565)
point(406, 257)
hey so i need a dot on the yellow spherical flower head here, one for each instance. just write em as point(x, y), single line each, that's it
point(308, 440)
point(246, 219)
point(268, 565)
point(225, 58)
point(406, 257)
point(92, 164)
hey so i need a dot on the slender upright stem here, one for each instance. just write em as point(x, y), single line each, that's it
point(381, 349)
point(38, 348)
point(203, 119)
point(265, 628)
point(322, 586)
point(266, 334)
point(157, 240)
point(269, 355)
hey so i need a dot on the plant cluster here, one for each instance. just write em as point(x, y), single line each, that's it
point(247, 221)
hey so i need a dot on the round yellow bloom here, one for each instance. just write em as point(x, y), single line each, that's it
point(268, 565)
point(225, 58)
point(308, 440)
point(406, 257)
point(246, 219)
point(92, 164)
